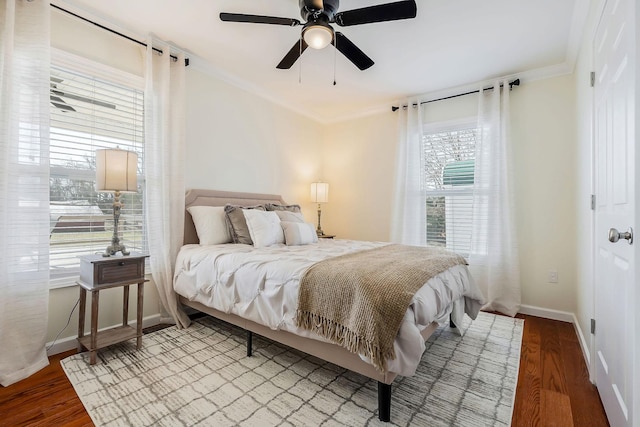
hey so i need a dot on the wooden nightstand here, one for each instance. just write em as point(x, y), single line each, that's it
point(98, 273)
point(327, 236)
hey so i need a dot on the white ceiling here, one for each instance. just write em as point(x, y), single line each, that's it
point(449, 46)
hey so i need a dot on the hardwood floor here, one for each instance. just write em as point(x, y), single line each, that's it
point(553, 382)
point(553, 386)
point(44, 399)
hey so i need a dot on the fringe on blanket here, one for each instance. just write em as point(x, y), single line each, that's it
point(346, 338)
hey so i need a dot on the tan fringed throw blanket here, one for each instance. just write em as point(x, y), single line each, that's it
point(358, 300)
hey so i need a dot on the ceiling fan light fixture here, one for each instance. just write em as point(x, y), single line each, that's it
point(318, 36)
point(317, 32)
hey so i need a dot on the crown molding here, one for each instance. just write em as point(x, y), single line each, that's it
point(360, 114)
point(576, 33)
point(211, 70)
point(548, 72)
point(194, 61)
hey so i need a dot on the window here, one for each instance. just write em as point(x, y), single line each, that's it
point(88, 112)
point(449, 174)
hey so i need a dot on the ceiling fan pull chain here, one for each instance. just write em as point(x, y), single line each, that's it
point(300, 62)
point(335, 50)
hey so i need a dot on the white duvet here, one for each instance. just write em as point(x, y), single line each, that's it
point(262, 285)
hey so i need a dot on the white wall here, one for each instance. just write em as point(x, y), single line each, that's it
point(545, 149)
point(80, 38)
point(359, 162)
point(238, 141)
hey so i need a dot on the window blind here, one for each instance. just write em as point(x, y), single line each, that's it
point(448, 181)
point(88, 113)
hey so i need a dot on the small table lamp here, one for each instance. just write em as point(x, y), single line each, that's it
point(319, 194)
point(116, 172)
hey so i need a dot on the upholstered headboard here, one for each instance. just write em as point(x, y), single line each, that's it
point(197, 197)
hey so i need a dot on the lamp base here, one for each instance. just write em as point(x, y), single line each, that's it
point(114, 248)
point(115, 245)
point(319, 231)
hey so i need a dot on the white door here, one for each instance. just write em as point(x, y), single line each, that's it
point(616, 292)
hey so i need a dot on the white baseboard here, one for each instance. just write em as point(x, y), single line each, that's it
point(69, 343)
point(547, 313)
point(583, 343)
point(562, 316)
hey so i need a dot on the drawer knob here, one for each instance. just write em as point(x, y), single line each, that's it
point(121, 263)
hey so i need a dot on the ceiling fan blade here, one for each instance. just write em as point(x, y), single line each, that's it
point(258, 19)
point(82, 99)
point(381, 13)
point(292, 56)
point(59, 103)
point(351, 51)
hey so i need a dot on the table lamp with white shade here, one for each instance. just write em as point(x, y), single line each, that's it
point(319, 195)
point(116, 172)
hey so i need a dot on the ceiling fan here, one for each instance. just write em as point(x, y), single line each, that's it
point(318, 33)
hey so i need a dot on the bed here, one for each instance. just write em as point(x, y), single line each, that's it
point(269, 310)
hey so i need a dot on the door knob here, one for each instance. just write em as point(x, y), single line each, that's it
point(615, 235)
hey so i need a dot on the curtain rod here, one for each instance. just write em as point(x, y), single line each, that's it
point(173, 57)
point(516, 82)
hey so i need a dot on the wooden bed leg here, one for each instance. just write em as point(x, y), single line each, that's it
point(249, 343)
point(451, 324)
point(384, 402)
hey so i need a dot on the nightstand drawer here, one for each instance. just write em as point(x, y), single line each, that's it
point(129, 269)
point(99, 271)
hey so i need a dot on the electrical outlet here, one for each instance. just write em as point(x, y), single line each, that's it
point(553, 276)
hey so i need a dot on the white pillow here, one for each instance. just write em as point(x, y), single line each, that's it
point(299, 233)
point(264, 227)
point(211, 224)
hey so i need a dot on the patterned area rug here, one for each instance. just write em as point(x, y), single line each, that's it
point(201, 376)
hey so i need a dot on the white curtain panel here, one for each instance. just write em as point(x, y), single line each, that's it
point(494, 259)
point(165, 137)
point(24, 187)
point(409, 225)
